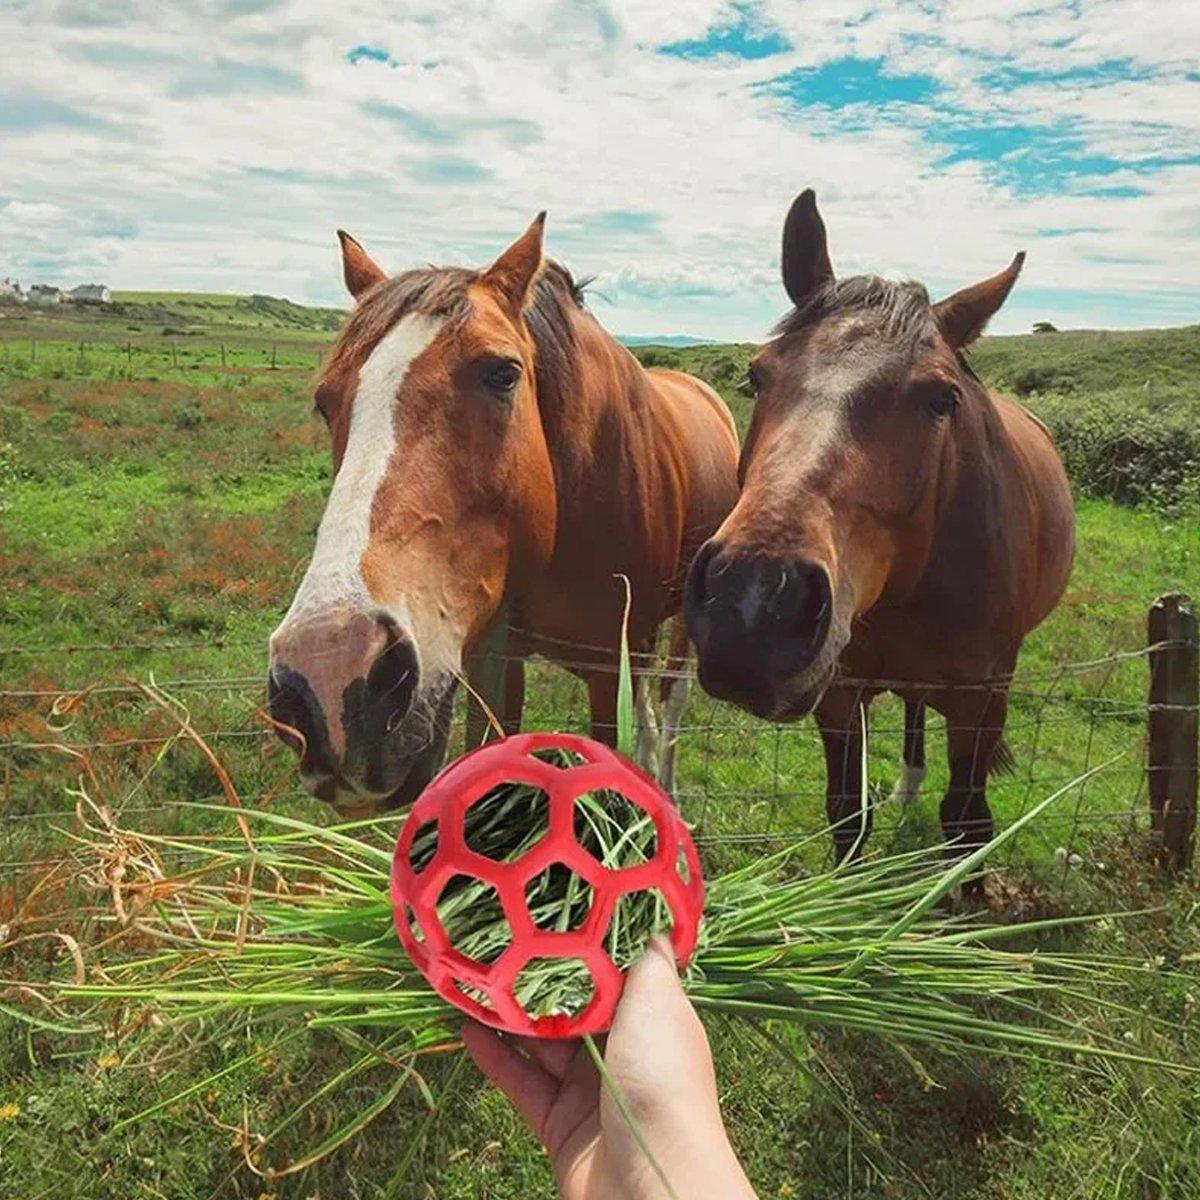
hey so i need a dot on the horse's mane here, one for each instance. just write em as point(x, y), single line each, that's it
point(902, 307)
point(443, 292)
point(556, 295)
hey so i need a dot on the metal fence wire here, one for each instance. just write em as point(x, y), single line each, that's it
point(76, 728)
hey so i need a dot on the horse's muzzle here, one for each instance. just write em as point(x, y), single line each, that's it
point(341, 689)
point(760, 624)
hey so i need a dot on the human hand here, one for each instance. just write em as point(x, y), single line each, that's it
point(658, 1057)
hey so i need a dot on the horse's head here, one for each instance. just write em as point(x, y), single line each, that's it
point(848, 457)
point(442, 487)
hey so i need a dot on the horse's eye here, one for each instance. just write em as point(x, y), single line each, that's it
point(751, 383)
point(944, 400)
point(502, 377)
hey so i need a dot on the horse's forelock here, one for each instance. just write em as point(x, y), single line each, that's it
point(431, 291)
point(902, 307)
point(443, 292)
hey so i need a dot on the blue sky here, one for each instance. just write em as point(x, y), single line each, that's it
point(217, 144)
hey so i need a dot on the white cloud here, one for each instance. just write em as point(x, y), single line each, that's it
point(221, 143)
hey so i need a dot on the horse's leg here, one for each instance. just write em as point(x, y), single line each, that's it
point(602, 700)
point(974, 732)
point(514, 695)
point(647, 723)
point(841, 716)
point(907, 787)
point(486, 672)
point(676, 686)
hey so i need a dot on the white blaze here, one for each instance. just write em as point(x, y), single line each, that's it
point(334, 575)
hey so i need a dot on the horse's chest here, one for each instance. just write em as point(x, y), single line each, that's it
point(935, 644)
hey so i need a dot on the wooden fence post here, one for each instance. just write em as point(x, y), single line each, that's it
point(1174, 708)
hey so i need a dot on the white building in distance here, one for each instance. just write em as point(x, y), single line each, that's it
point(48, 295)
point(45, 295)
point(91, 293)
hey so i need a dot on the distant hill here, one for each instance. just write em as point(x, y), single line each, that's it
point(1157, 368)
point(1164, 364)
point(676, 340)
point(185, 311)
point(214, 308)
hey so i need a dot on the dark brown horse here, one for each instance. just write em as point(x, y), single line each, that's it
point(898, 525)
point(499, 461)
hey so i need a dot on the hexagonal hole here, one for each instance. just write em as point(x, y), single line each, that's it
point(507, 821)
point(559, 756)
point(637, 917)
point(547, 987)
point(613, 830)
point(559, 900)
point(424, 846)
point(414, 926)
point(473, 918)
point(683, 867)
point(473, 993)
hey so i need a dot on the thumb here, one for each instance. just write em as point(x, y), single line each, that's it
point(654, 979)
point(657, 1048)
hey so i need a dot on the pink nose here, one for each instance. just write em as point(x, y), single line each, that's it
point(338, 682)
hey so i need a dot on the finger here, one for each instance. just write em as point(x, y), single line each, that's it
point(554, 1056)
point(531, 1089)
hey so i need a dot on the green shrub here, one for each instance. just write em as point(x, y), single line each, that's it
point(189, 415)
point(1119, 448)
point(1091, 361)
point(1124, 406)
point(1028, 381)
point(659, 356)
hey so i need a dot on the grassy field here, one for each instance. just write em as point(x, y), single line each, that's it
point(161, 479)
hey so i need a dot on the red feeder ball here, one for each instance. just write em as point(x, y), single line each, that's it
point(446, 801)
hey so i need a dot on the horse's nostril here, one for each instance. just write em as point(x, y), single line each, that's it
point(392, 679)
point(696, 586)
point(289, 702)
point(811, 602)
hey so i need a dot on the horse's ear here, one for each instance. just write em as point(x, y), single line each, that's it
point(963, 316)
point(359, 269)
point(513, 274)
point(806, 262)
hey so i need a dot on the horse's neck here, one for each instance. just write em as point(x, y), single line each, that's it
point(591, 401)
point(987, 454)
point(980, 511)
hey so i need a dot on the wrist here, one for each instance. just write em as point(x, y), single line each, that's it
point(698, 1163)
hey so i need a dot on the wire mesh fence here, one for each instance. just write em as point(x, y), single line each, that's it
point(144, 744)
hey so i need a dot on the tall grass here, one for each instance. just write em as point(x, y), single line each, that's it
point(274, 915)
point(270, 920)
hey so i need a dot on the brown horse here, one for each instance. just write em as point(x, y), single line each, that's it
point(899, 529)
point(500, 461)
